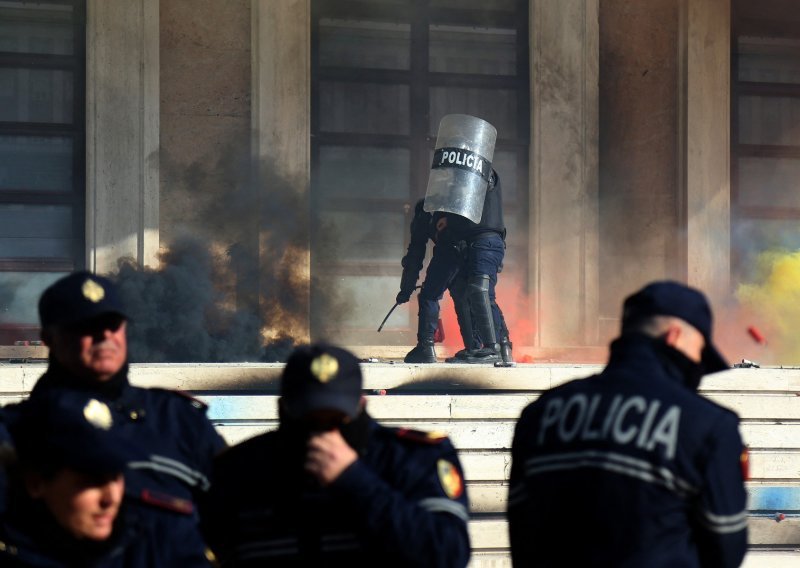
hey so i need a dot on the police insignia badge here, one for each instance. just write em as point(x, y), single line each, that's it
point(324, 367)
point(745, 460)
point(98, 414)
point(92, 291)
point(450, 478)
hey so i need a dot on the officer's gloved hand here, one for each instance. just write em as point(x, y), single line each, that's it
point(403, 296)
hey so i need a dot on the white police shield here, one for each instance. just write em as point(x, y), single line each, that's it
point(462, 165)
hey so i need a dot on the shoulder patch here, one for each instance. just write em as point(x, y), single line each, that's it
point(450, 478)
point(430, 438)
point(745, 461)
point(167, 502)
point(195, 402)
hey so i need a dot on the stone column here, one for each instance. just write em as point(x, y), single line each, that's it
point(281, 122)
point(122, 122)
point(564, 277)
point(704, 144)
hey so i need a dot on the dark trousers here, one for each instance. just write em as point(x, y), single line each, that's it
point(485, 257)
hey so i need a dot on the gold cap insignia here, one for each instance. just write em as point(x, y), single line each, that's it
point(324, 367)
point(98, 414)
point(450, 478)
point(92, 291)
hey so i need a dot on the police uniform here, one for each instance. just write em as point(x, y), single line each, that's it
point(632, 467)
point(401, 503)
point(75, 430)
point(486, 249)
point(180, 440)
point(445, 271)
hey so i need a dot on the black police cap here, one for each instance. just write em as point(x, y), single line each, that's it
point(321, 377)
point(668, 298)
point(79, 297)
point(71, 428)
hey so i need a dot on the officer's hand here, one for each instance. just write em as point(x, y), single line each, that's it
point(403, 296)
point(328, 456)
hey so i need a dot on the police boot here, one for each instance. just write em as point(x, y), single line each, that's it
point(461, 305)
point(505, 354)
point(481, 306)
point(424, 351)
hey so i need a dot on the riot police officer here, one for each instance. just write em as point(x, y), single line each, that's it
point(66, 506)
point(445, 271)
point(485, 241)
point(84, 325)
point(635, 454)
point(332, 487)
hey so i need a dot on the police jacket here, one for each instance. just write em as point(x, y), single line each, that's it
point(402, 503)
point(491, 222)
point(628, 468)
point(421, 230)
point(30, 538)
point(171, 426)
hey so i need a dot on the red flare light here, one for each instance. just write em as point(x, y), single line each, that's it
point(757, 336)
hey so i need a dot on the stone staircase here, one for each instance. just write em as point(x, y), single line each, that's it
point(478, 406)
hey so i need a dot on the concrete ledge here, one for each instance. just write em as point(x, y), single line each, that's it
point(438, 378)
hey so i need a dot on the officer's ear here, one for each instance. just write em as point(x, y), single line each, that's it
point(672, 334)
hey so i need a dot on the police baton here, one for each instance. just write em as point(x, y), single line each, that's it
point(390, 311)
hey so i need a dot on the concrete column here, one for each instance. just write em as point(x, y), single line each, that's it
point(704, 144)
point(564, 177)
point(122, 123)
point(281, 122)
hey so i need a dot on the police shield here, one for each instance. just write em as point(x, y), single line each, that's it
point(462, 164)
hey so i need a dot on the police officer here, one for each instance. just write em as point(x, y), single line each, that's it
point(331, 487)
point(485, 243)
point(466, 259)
point(635, 456)
point(445, 271)
point(66, 504)
point(84, 325)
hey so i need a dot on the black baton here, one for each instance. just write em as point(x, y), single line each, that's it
point(387, 316)
point(393, 307)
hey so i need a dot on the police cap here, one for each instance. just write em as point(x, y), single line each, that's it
point(321, 377)
point(79, 297)
point(668, 298)
point(70, 428)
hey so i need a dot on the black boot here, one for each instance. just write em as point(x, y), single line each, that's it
point(424, 352)
point(481, 309)
point(461, 305)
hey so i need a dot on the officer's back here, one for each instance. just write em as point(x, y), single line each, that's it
point(631, 467)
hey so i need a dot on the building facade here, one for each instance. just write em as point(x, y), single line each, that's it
point(637, 141)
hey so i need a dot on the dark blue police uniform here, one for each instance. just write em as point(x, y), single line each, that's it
point(67, 429)
point(445, 272)
point(31, 540)
point(402, 503)
point(173, 428)
point(630, 467)
point(180, 441)
point(486, 249)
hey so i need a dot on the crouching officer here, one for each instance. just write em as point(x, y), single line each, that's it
point(332, 487)
point(635, 452)
point(445, 272)
point(84, 325)
point(65, 503)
